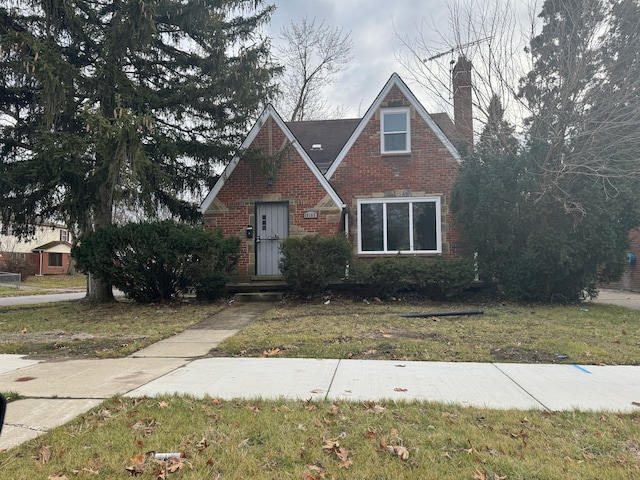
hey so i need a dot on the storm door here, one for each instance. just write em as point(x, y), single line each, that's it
point(272, 226)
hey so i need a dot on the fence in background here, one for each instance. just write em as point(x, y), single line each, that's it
point(10, 279)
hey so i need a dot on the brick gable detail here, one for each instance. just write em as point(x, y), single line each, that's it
point(429, 170)
point(234, 207)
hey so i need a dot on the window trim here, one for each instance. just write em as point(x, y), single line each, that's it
point(410, 200)
point(407, 132)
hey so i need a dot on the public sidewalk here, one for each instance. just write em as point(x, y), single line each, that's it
point(59, 391)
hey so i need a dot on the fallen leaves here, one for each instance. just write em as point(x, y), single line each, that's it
point(375, 408)
point(399, 451)
point(137, 465)
point(394, 446)
point(270, 353)
point(333, 447)
point(44, 455)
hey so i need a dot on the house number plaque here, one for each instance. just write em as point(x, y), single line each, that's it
point(311, 214)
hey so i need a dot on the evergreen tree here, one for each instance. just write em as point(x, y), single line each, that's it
point(123, 101)
point(551, 219)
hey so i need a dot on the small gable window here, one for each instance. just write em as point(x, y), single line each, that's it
point(395, 129)
point(399, 225)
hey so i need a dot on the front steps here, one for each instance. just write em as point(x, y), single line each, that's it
point(248, 297)
point(258, 289)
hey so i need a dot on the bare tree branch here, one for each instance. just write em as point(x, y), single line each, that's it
point(312, 54)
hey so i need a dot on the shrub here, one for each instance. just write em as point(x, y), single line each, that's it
point(19, 264)
point(309, 264)
point(157, 261)
point(213, 260)
point(437, 278)
point(442, 278)
point(384, 276)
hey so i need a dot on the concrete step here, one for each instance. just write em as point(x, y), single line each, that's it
point(257, 297)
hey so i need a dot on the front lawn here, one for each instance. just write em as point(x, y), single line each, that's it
point(586, 334)
point(251, 439)
point(80, 329)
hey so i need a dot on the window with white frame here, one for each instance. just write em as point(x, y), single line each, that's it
point(64, 235)
point(395, 128)
point(399, 225)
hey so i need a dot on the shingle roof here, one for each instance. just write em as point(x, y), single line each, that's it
point(448, 128)
point(50, 245)
point(330, 134)
point(333, 134)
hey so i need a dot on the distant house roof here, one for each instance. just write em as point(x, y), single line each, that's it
point(323, 139)
point(53, 245)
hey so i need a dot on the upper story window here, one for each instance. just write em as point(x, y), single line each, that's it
point(64, 235)
point(395, 130)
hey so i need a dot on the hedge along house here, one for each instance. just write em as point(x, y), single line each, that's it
point(384, 180)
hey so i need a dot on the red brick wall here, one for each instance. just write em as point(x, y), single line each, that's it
point(46, 269)
point(428, 170)
point(631, 277)
point(233, 209)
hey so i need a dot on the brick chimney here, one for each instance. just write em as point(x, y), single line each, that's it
point(462, 100)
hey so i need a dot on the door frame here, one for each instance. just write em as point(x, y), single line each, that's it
point(257, 230)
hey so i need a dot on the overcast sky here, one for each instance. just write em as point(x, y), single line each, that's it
point(373, 25)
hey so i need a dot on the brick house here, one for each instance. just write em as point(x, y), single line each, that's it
point(384, 180)
point(630, 279)
point(47, 248)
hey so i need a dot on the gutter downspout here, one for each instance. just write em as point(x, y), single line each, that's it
point(346, 233)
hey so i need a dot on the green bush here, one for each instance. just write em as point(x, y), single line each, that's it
point(310, 263)
point(440, 278)
point(437, 278)
point(213, 260)
point(158, 261)
point(385, 277)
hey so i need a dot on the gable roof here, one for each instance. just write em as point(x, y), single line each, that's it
point(268, 113)
point(331, 135)
point(443, 120)
point(396, 81)
point(51, 245)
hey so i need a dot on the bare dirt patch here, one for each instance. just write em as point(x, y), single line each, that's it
point(522, 355)
point(56, 345)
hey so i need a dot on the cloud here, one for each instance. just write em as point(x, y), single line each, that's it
point(374, 26)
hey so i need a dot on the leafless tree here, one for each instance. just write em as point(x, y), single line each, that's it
point(312, 54)
point(566, 71)
point(492, 34)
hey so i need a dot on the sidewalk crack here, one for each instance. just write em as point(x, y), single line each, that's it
point(521, 387)
point(335, 372)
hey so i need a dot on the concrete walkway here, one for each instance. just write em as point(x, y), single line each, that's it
point(60, 391)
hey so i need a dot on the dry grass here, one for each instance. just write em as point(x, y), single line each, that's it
point(57, 281)
point(40, 285)
point(586, 334)
point(78, 329)
point(319, 440)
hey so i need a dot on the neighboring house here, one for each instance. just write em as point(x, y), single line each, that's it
point(47, 248)
point(631, 277)
point(385, 180)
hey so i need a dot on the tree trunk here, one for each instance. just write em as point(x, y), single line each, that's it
point(99, 291)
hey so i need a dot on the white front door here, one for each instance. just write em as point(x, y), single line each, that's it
point(272, 226)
